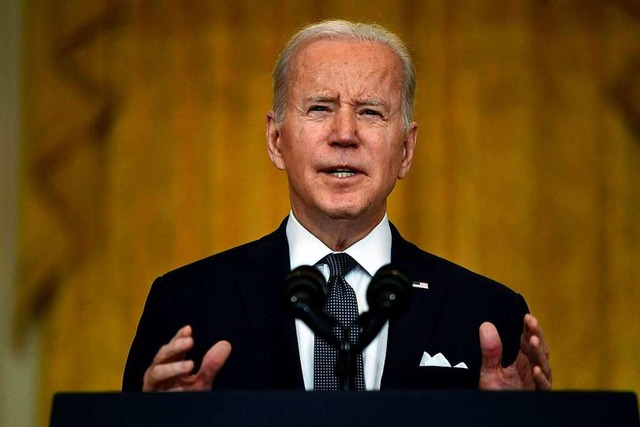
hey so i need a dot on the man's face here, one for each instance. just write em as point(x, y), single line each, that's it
point(342, 141)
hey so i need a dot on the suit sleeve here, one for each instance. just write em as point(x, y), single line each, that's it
point(158, 324)
point(512, 329)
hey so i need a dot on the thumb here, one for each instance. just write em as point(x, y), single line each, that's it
point(213, 361)
point(491, 347)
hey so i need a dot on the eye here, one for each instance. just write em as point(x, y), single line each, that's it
point(318, 108)
point(371, 112)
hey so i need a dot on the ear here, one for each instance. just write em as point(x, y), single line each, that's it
point(408, 147)
point(273, 141)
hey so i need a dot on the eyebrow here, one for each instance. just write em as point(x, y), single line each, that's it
point(374, 102)
point(321, 99)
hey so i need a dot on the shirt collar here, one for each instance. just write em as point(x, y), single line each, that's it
point(371, 252)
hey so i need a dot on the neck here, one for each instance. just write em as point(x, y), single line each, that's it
point(339, 233)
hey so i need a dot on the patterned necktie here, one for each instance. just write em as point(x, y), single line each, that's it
point(342, 304)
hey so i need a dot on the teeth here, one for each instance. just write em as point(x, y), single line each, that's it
point(342, 173)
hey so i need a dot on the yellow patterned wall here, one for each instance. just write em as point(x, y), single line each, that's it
point(144, 150)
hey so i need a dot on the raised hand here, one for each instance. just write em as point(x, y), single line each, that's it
point(170, 372)
point(530, 371)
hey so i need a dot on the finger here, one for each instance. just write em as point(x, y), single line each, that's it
point(157, 377)
point(212, 362)
point(534, 355)
point(536, 352)
point(539, 357)
point(176, 348)
point(491, 347)
point(536, 347)
point(528, 330)
point(533, 328)
point(542, 381)
point(185, 331)
point(536, 330)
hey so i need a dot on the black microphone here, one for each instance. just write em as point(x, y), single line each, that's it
point(305, 286)
point(389, 296)
point(305, 292)
point(389, 293)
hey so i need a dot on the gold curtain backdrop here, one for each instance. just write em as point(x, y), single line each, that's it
point(144, 150)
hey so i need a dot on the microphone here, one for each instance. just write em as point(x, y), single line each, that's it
point(305, 292)
point(389, 296)
point(305, 287)
point(389, 293)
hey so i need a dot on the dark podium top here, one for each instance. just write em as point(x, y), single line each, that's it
point(337, 409)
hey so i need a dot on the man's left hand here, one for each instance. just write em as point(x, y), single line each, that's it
point(530, 371)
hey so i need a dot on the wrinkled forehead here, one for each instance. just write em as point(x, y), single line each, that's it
point(356, 63)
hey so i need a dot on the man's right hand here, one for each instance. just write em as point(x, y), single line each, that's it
point(170, 372)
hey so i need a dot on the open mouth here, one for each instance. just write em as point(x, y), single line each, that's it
point(341, 172)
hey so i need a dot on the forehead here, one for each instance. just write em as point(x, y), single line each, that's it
point(354, 66)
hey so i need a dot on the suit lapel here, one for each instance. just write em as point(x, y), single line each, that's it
point(273, 329)
point(409, 335)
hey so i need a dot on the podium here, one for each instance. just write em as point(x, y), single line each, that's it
point(338, 409)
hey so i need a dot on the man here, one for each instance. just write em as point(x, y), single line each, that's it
point(341, 129)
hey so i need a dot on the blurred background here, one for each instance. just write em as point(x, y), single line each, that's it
point(132, 142)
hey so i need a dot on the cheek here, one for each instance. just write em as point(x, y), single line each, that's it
point(392, 152)
point(304, 146)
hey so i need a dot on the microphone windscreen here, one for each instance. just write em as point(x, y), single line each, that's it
point(389, 293)
point(305, 285)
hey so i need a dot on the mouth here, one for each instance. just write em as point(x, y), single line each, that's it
point(341, 172)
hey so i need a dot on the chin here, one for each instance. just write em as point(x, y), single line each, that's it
point(342, 215)
point(346, 212)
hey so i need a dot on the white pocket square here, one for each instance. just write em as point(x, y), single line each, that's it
point(439, 360)
point(421, 285)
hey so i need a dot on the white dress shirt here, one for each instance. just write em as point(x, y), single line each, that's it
point(371, 253)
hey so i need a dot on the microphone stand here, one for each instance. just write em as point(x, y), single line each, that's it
point(369, 325)
point(322, 325)
point(347, 357)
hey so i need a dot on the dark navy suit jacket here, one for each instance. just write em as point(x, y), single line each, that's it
point(237, 295)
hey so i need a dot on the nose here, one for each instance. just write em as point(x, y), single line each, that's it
point(345, 128)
